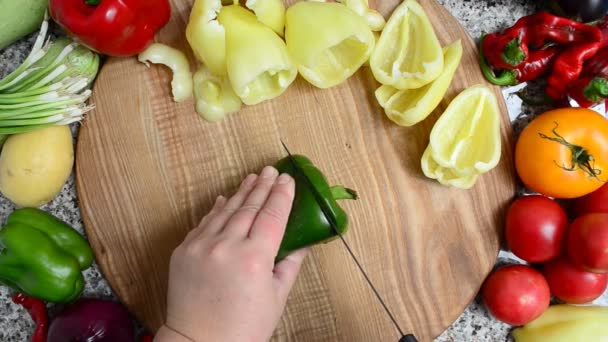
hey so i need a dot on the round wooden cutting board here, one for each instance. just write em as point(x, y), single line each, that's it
point(148, 169)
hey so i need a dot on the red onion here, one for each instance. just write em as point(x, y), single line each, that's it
point(92, 320)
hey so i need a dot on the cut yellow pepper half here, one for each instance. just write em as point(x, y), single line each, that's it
point(206, 36)
point(270, 13)
point(466, 138)
point(374, 19)
point(445, 176)
point(214, 95)
point(408, 54)
point(327, 41)
point(410, 106)
point(259, 67)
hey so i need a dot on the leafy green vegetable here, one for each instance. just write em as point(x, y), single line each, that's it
point(49, 87)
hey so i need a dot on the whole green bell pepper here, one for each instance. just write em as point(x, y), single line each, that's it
point(42, 256)
point(307, 224)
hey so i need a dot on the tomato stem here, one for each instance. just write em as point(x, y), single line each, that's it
point(580, 156)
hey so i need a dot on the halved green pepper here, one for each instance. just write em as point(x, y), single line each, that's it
point(307, 224)
point(42, 256)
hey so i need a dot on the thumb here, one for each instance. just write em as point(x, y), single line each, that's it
point(286, 272)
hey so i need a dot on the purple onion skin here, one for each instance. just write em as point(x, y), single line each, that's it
point(92, 320)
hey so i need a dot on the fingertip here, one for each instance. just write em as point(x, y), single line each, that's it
point(249, 180)
point(284, 179)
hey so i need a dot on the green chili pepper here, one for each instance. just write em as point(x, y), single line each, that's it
point(42, 256)
point(307, 224)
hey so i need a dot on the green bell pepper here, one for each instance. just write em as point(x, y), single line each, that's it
point(307, 224)
point(42, 256)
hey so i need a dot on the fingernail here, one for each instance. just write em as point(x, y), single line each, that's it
point(249, 179)
point(220, 199)
point(268, 172)
point(284, 179)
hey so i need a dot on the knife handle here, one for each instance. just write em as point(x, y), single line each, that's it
point(408, 338)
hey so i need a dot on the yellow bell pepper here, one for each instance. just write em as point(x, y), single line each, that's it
point(410, 106)
point(270, 13)
point(374, 19)
point(214, 95)
point(566, 323)
point(408, 54)
point(259, 67)
point(327, 41)
point(444, 175)
point(181, 84)
point(206, 36)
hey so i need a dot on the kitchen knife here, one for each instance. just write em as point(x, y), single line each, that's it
point(329, 217)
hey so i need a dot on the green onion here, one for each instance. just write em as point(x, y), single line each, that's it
point(49, 87)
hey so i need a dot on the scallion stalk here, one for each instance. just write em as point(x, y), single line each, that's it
point(49, 87)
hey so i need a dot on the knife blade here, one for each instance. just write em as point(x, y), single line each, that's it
point(332, 223)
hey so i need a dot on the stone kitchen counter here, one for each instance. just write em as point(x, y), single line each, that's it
point(475, 324)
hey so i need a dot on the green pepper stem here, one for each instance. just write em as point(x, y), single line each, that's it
point(339, 192)
point(92, 2)
point(596, 90)
point(506, 77)
point(512, 54)
point(581, 159)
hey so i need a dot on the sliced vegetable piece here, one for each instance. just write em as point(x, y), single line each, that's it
point(259, 67)
point(206, 36)
point(410, 106)
point(445, 176)
point(566, 323)
point(270, 13)
point(466, 138)
point(214, 95)
point(181, 85)
point(327, 41)
point(408, 54)
point(374, 19)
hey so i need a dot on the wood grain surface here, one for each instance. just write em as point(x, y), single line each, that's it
point(148, 169)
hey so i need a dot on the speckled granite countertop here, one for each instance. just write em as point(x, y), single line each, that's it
point(474, 324)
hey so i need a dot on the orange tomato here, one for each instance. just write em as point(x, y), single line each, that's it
point(563, 153)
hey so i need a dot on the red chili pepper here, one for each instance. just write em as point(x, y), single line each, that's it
point(598, 64)
point(538, 63)
point(147, 338)
point(603, 27)
point(588, 91)
point(505, 50)
point(549, 28)
point(36, 309)
point(511, 48)
point(568, 67)
point(112, 27)
point(592, 87)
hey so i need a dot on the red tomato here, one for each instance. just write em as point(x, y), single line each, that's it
point(595, 202)
point(588, 242)
point(536, 228)
point(571, 284)
point(516, 294)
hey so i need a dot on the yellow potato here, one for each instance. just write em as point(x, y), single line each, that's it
point(34, 166)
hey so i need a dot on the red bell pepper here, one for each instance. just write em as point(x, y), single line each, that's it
point(112, 27)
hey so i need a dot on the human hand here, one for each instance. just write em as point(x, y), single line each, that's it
point(223, 283)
